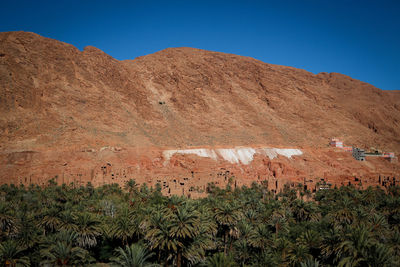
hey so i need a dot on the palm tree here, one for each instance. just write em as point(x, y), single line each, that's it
point(310, 263)
point(12, 255)
point(195, 251)
point(28, 235)
point(50, 221)
point(245, 230)
point(279, 220)
point(242, 251)
point(64, 254)
point(395, 243)
point(8, 223)
point(381, 255)
point(87, 228)
point(250, 215)
point(157, 227)
point(312, 240)
point(60, 249)
point(221, 260)
point(355, 248)
point(345, 214)
point(297, 254)
point(227, 215)
point(288, 194)
point(132, 256)
point(259, 237)
point(330, 246)
point(379, 224)
point(125, 226)
point(207, 222)
point(184, 227)
point(131, 186)
point(300, 190)
point(270, 258)
point(282, 248)
point(304, 211)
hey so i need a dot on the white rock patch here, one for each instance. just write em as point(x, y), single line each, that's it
point(274, 152)
point(269, 152)
point(236, 155)
point(288, 152)
point(201, 152)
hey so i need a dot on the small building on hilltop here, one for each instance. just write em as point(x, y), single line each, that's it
point(359, 154)
point(335, 142)
point(388, 155)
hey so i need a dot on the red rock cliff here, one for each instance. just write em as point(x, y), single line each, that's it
point(58, 102)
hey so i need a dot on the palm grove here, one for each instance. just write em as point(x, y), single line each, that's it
point(248, 226)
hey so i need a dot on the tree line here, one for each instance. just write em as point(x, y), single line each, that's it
point(65, 225)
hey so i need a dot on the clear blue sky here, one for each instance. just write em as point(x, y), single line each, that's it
point(357, 38)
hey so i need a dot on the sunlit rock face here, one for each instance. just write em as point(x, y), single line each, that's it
point(243, 155)
point(82, 116)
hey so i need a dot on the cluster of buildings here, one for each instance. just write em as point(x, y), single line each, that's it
point(358, 153)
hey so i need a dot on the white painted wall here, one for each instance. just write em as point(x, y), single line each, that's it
point(243, 155)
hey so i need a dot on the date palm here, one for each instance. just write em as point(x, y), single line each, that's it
point(50, 221)
point(227, 215)
point(379, 224)
point(259, 237)
point(12, 255)
point(381, 255)
point(345, 214)
point(28, 234)
point(65, 254)
point(185, 225)
point(68, 220)
point(250, 215)
point(221, 260)
point(245, 230)
point(157, 227)
point(312, 240)
point(310, 263)
point(354, 249)
point(242, 251)
point(330, 245)
point(125, 226)
point(87, 228)
point(281, 247)
point(279, 221)
point(196, 251)
point(8, 222)
point(304, 211)
point(132, 256)
point(131, 186)
point(270, 258)
point(297, 254)
point(395, 243)
point(204, 240)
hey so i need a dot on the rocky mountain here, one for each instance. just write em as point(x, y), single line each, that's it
point(56, 100)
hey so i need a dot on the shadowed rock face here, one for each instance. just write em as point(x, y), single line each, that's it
point(60, 106)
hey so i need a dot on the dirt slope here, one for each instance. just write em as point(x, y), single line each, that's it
point(57, 99)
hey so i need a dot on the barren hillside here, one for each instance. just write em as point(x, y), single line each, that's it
point(56, 99)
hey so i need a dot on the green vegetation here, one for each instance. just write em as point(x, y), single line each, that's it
point(249, 226)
